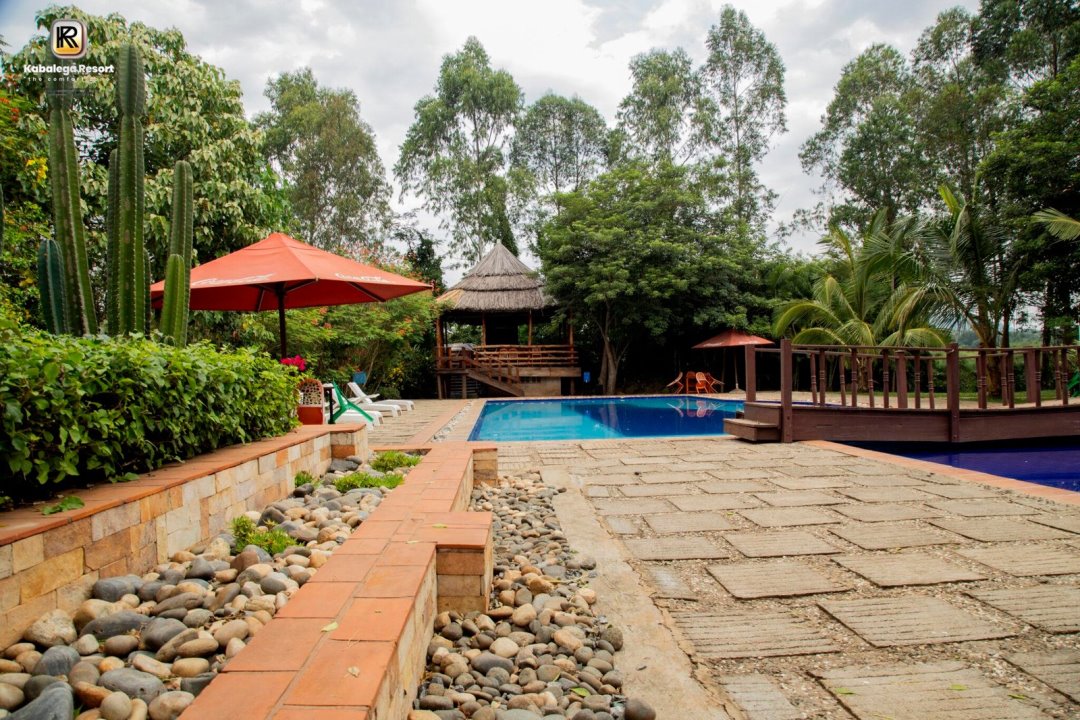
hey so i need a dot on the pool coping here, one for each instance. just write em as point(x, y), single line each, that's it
point(1061, 495)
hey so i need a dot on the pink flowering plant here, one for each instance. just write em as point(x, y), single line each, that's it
point(296, 361)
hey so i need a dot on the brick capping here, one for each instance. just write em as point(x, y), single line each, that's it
point(50, 562)
point(352, 642)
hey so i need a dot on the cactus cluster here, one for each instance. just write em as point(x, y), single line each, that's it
point(76, 295)
point(174, 313)
point(63, 275)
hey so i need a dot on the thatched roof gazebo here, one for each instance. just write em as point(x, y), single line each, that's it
point(501, 294)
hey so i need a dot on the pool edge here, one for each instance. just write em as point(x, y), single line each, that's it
point(1068, 497)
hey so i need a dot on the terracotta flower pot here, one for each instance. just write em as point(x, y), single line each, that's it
point(310, 414)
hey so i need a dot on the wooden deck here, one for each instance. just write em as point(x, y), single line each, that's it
point(515, 370)
point(875, 394)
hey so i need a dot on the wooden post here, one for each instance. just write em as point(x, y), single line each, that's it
point(822, 379)
point(854, 377)
point(870, 377)
point(918, 380)
point(885, 379)
point(952, 389)
point(1031, 375)
point(786, 431)
point(843, 384)
point(530, 327)
point(901, 380)
point(438, 342)
point(483, 329)
point(751, 373)
point(813, 378)
point(570, 328)
point(1010, 378)
point(930, 379)
point(1064, 375)
point(980, 378)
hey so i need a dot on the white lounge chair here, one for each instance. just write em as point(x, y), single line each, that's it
point(345, 411)
point(361, 397)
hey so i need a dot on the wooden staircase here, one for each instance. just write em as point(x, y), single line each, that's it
point(481, 374)
point(471, 390)
point(758, 422)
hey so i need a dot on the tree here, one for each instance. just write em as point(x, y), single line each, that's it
point(1025, 41)
point(635, 253)
point(421, 256)
point(744, 81)
point(453, 154)
point(194, 113)
point(326, 154)
point(664, 113)
point(868, 145)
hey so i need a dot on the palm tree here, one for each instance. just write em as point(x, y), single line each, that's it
point(1058, 224)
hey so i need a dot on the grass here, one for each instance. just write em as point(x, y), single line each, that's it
point(394, 459)
point(1021, 396)
point(272, 540)
point(363, 480)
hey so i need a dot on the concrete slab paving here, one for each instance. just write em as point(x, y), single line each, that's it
point(960, 492)
point(774, 578)
point(670, 548)
point(661, 490)
point(759, 697)
point(916, 620)
point(982, 508)
point(999, 529)
point(797, 498)
point(1069, 523)
point(924, 690)
point(883, 512)
point(810, 483)
point(910, 568)
point(786, 517)
point(1060, 669)
point(628, 506)
point(667, 582)
point(623, 524)
point(1025, 560)
point(1050, 607)
point(668, 523)
point(695, 503)
point(734, 486)
point(755, 633)
point(779, 543)
point(898, 493)
point(883, 536)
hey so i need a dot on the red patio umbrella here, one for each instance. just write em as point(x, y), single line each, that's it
point(281, 272)
point(731, 338)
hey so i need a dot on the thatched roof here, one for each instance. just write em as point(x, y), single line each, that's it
point(499, 283)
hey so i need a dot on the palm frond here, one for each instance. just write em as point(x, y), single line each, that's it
point(1058, 224)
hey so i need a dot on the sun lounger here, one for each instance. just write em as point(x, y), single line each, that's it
point(358, 395)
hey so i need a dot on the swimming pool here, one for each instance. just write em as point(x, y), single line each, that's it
point(1048, 462)
point(603, 418)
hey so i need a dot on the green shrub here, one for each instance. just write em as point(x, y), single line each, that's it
point(394, 459)
point(363, 480)
point(273, 540)
point(108, 408)
point(303, 478)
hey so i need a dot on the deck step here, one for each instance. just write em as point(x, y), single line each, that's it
point(752, 430)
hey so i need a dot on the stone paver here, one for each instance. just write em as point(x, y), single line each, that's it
point(674, 548)
point(775, 578)
point(694, 503)
point(886, 480)
point(662, 490)
point(960, 492)
point(882, 512)
point(982, 508)
point(737, 486)
point(912, 568)
point(779, 543)
point(667, 523)
point(671, 477)
point(728, 475)
point(917, 620)
point(792, 470)
point(1059, 669)
point(631, 506)
point(753, 634)
point(607, 479)
point(623, 524)
point(1069, 523)
point(797, 498)
point(667, 583)
point(784, 517)
point(999, 530)
point(925, 690)
point(759, 697)
point(598, 491)
point(886, 494)
point(1050, 607)
point(1025, 560)
point(810, 483)
point(887, 537)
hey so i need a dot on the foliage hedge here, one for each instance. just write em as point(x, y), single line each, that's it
point(103, 408)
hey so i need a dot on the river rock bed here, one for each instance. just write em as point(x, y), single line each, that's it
point(145, 646)
point(541, 651)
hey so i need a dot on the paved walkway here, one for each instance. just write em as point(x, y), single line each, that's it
point(806, 583)
point(417, 426)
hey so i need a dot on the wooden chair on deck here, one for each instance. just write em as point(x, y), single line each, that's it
point(675, 385)
point(714, 383)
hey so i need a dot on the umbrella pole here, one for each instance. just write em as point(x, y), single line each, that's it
point(281, 317)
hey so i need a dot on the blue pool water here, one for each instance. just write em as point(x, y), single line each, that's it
point(603, 418)
point(1048, 462)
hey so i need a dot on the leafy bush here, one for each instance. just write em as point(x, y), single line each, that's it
point(108, 408)
point(363, 480)
point(304, 478)
point(394, 459)
point(272, 540)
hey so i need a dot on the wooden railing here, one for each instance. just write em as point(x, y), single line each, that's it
point(499, 356)
point(904, 378)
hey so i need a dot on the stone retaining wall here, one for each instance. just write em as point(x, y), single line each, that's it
point(49, 562)
point(352, 642)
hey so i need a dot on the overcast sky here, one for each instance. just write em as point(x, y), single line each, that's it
point(388, 51)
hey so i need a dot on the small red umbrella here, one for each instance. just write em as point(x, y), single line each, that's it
point(281, 272)
point(732, 338)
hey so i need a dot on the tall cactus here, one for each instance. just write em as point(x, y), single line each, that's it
point(51, 287)
point(132, 277)
point(112, 249)
point(174, 314)
point(67, 211)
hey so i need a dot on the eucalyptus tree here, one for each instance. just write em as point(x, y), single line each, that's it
point(743, 82)
point(664, 116)
point(454, 154)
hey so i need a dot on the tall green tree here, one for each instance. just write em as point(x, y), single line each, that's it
point(1025, 41)
point(636, 253)
point(193, 113)
point(868, 148)
point(454, 153)
point(664, 113)
point(326, 154)
point(744, 82)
